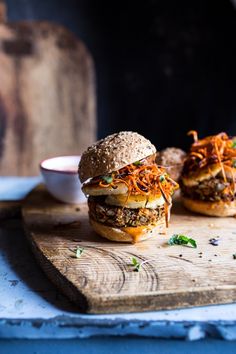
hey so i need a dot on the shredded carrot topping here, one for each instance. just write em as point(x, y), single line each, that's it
point(144, 178)
point(194, 134)
point(210, 150)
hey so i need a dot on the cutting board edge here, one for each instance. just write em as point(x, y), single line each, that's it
point(80, 300)
point(156, 302)
point(10, 209)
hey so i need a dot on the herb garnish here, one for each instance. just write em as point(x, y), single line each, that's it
point(77, 252)
point(234, 144)
point(178, 239)
point(136, 264)
point(137, 163)
point(162, 178)
point(108, 179)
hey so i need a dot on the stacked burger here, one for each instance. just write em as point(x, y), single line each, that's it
point(208, 181)
point(129, 195)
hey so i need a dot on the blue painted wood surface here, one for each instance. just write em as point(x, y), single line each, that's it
point(108, 345)
point(31, 307)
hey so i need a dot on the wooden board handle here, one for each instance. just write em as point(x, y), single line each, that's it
point(3, 11)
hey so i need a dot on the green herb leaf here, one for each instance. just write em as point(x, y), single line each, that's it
point(178, 239)
point(79, 251)
point(234, 163)
point(192, 242)
point(136, 264)
point(108, 179)
point(162, 178)
point(234, 144)
point(234, 256)
point(137, 163)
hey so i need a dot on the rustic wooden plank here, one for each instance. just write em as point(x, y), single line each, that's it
point(102, 279)
point(10, 209)
point(47, 95)
point(3, 11)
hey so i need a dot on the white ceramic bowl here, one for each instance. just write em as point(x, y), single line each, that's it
point(60, 175)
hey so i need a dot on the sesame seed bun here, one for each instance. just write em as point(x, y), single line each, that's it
point(220, 208)
point(112, 153)
point(139, 234)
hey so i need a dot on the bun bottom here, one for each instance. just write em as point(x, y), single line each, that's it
point(220, 208)
point(138, 234)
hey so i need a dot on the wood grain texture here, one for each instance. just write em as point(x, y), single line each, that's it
point(102, 279)
point(10, 209)
point(47, 95)
point(3, 12)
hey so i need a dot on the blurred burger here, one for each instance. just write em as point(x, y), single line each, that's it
point(208, 181)
point(129, 195)
point(173, 159)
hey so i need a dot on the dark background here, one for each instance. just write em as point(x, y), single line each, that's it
point(163, 67)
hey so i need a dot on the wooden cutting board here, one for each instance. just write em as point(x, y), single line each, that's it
point(102, 279)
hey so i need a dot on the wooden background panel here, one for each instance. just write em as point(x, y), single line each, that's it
point(47, 95)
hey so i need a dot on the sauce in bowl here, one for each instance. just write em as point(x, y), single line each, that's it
point(60, 175)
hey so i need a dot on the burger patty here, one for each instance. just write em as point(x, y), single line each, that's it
point(122, 217)
point(213, 190)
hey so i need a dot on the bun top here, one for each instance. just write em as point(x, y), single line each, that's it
point(112, 153)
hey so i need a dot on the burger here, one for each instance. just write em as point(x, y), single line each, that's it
point(129, 195)
point(173, 159)
point(208, 181)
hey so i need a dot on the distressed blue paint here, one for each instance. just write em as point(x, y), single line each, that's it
point(16, 188)
point(116, 346)
point(31, 307)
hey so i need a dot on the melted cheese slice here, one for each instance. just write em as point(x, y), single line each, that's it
point(205, 173)
point(96, 190)
point(136, 232)
point(140, 233)
point(135, 201)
